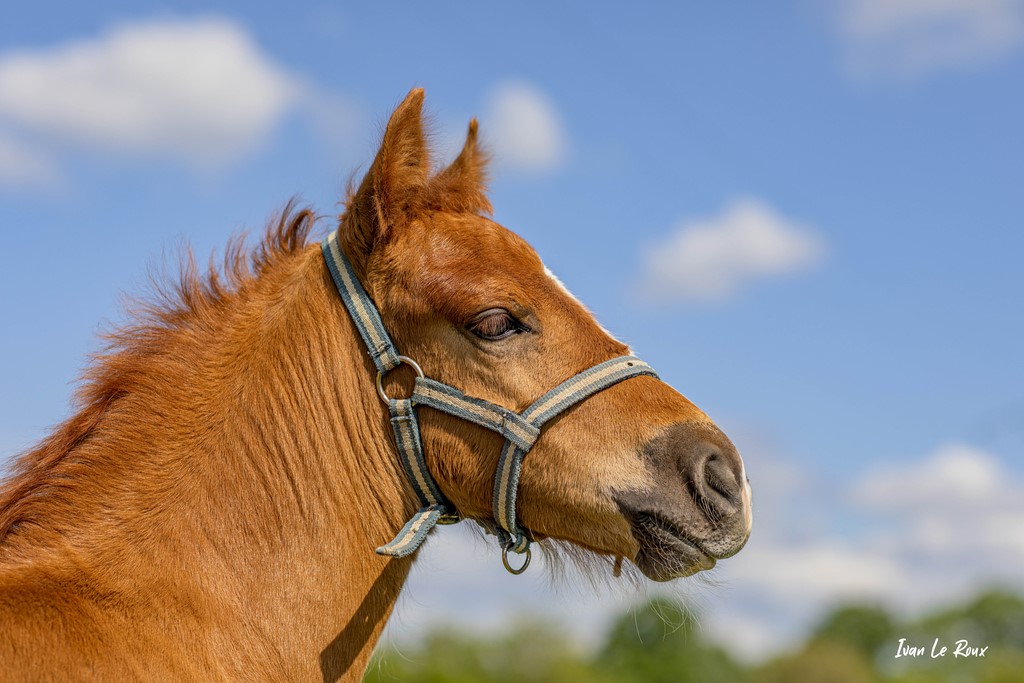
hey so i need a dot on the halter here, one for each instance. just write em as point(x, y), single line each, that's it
point(520, 430)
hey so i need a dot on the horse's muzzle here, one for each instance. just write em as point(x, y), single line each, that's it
point(697, 511)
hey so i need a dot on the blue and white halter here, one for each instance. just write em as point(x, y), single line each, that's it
point(520, 430)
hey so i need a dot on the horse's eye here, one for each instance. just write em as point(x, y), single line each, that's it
point(495, 324)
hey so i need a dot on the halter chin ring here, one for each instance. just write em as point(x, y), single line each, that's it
point(509, 567)
point(403, 360)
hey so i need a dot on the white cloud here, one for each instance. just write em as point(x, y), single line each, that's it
point(709, 259)
point(21, 166)
point(959, 507)
point(749, 637)
point(200, 91)
point(905, 38)
point(524, 128)
point(956, 473)
point(819, 571)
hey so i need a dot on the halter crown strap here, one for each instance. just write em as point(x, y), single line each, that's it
point(520, 430)
point(360, 306)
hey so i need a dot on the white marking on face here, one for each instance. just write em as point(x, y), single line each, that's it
point(561, 285)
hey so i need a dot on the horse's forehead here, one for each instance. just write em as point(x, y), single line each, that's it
point(474, 236)
point(477, 246)
point(466, 259)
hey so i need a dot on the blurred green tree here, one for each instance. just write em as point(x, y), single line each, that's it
point(659, 643)
point(868, 629)
point(821, 661)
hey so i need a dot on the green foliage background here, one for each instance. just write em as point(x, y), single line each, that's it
point(660, 642)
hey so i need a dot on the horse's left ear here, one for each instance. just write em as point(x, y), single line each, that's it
point(462, 187)
point(394, 186)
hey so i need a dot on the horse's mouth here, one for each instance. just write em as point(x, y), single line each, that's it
point(666, 551)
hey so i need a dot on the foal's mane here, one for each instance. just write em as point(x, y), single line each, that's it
point(191, 303)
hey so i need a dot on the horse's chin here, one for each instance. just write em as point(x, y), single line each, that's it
point(665, 552)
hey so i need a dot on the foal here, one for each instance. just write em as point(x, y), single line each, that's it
point(212, 508)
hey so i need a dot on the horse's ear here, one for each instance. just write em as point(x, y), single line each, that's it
point(392, 187)
point(462, 187)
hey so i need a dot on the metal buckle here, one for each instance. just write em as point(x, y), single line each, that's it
point(402, 360)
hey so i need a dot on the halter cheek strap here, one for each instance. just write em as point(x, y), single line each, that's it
point(520, 430)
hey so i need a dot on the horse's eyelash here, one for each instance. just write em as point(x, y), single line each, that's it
point(516, 326)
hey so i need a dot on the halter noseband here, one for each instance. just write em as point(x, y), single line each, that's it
point(519, 429)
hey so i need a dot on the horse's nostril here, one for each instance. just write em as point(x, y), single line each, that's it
point(719, 477)
point(705, 463)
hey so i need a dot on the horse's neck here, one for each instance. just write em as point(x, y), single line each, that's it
point(260, 483)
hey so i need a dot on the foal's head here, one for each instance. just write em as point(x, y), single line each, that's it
point(636, 470)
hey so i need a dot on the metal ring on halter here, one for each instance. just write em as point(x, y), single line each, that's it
point(380, 376)
point(511, 570)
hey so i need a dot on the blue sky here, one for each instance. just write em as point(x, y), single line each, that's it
point(806, 215)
